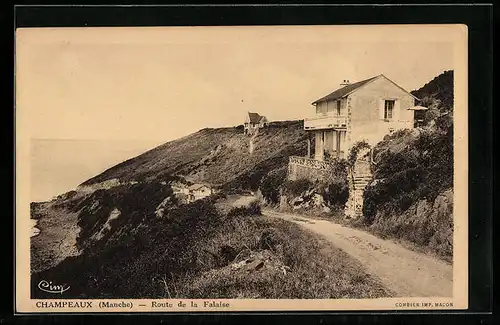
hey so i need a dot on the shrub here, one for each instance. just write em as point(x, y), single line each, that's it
point(271, 238)
point(297, 187)
point(420, 170)
point(336, 194)
point(252, 209)
point(219, 195)
point(282, 124)
point(271, 183)
point(338, 173)
point(390, 162)
point(355, 149)
point(430, 115)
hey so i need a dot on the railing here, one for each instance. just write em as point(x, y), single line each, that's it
point(310, 163)
point(326, 121)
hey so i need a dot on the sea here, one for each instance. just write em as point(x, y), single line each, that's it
point(60, 165)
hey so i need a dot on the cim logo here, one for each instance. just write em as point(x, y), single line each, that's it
point(48, 286)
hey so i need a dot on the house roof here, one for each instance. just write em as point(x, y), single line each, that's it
point(254, 117)
point(346, 90)
point(341, 92)
point(195, 187)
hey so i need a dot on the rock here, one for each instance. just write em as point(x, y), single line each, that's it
point(296, 201)
point(159, 212)
point(239, 265)
point(94, 206)
point(326, 209)
point(422, 208)
point(255, 265)
point(309, 192)
point(442, 204)
point(161, 207)
point(318, 199)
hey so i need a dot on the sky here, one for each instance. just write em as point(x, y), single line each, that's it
point(163, 83)
point(89, 98)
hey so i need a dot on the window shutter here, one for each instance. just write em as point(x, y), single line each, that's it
point(381, 108)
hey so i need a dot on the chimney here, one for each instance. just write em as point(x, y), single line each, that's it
point(344, 83)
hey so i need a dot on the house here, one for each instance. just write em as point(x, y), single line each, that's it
point(253, 122)
point(187, 194)
point(199, 191)
point(364, 110)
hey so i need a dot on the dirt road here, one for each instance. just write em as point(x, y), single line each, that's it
point(404, 272)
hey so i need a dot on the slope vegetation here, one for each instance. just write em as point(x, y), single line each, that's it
point(411, 194)
point(440, 89)
point(215, 156)
point(197, 251)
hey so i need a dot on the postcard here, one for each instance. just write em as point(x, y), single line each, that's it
point(241, 168)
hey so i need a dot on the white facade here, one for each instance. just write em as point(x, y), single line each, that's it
point(368, 112)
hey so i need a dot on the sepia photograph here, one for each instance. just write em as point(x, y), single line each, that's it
point(241, 168)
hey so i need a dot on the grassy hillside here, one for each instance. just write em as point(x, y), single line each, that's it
point(440, 88)
point(198, 251)
point(411, 194)
point(215, 156)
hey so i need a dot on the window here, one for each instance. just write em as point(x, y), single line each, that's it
point(338, 107)
point(388, 109)
point(419, 115)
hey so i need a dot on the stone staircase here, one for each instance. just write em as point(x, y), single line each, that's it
point(359, 178)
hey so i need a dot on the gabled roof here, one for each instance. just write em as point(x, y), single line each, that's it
point(341, 92)
point(254, 117)
point(346, 90)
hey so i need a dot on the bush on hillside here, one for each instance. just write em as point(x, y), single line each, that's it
point(297, 187)
point(135, 203)
point(421, 170)
point(281, 124)
point(355, 149)
point(336, 194)
point(439, 89)
point(338, 172)
point(151, 250)
point(252, 209)
point(271, 184)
